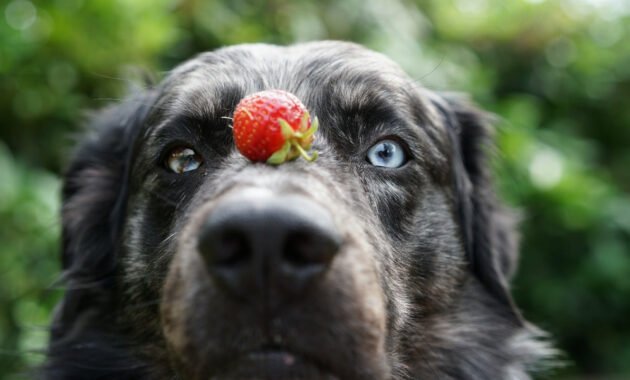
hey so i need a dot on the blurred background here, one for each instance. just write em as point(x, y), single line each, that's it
point(557, 72)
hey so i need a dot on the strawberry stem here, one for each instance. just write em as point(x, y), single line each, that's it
point(303, 153)
point(281, 155)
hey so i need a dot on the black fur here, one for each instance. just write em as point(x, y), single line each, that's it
point(431, 239)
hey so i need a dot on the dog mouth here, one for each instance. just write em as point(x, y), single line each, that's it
point(274, 362)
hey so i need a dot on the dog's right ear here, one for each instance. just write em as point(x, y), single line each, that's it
point(94, 200)
point(487, 226)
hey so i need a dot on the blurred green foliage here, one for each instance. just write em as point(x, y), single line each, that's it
point(557, 72)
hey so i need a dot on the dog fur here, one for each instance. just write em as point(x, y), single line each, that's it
point(419, 289)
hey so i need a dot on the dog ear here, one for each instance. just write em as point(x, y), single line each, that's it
point(488, 228)
point(93, 202)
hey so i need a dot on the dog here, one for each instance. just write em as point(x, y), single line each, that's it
point(389, 257)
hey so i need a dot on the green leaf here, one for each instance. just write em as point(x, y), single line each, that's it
point(287, 131)
point(281, 155)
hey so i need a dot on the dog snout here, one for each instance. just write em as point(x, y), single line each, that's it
point(258, 244)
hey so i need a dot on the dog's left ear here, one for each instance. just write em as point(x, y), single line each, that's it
point(94, 202)
point(488, 228)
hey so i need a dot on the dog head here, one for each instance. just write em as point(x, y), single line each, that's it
point(386, 258)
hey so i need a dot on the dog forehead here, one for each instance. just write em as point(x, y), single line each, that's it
point(210, 83)
point(333, 79)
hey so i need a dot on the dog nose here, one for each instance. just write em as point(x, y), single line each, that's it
point(268, 245)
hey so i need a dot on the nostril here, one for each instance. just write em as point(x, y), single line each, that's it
point(224, 247)
point(298, 250)
point(308, 248)
point(233, 249)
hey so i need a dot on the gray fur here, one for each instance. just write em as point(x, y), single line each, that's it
point(420, 288)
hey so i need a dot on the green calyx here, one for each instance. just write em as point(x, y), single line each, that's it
point(297, 143)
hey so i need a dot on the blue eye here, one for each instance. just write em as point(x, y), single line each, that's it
point(387, 154)
point(181, 160)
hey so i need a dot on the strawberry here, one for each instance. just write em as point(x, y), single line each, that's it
point(273, 126)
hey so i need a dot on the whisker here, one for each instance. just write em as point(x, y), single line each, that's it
point(165, 198)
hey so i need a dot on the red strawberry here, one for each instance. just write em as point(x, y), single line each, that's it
point(273, 126)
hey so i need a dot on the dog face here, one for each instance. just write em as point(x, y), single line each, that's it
point(386, 258)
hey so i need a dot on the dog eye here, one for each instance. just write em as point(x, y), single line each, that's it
point(181, 160)
point(387, 154)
